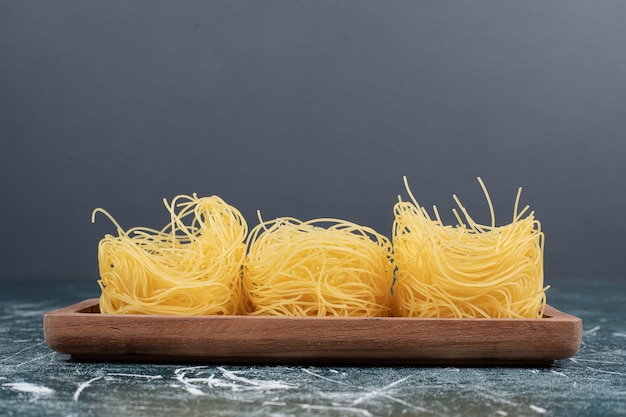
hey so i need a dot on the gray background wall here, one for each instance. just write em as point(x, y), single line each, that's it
point(310, 109)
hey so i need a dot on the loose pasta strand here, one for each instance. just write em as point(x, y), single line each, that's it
point(191, 268)
point(469, 270)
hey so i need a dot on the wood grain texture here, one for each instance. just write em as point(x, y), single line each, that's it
point(81, 331)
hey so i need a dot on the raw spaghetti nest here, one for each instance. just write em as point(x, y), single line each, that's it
point(321, 267)
point(470, 270)
point(192, 269)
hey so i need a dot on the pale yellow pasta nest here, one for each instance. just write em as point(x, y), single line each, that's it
point(469, 270)
point(184, 269)
point(321, 267)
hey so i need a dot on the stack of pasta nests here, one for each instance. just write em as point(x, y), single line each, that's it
point(206, 262)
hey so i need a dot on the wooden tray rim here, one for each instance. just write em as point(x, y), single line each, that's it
point(90, 307)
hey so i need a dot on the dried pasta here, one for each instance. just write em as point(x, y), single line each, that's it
point(321, 267)
point(469, 270)
point(191, 268)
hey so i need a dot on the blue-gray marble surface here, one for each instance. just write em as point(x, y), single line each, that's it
point(36, 381)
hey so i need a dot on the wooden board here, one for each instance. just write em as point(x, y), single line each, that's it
point(81, 331)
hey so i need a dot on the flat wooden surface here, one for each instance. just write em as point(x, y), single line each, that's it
point(81, 331)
